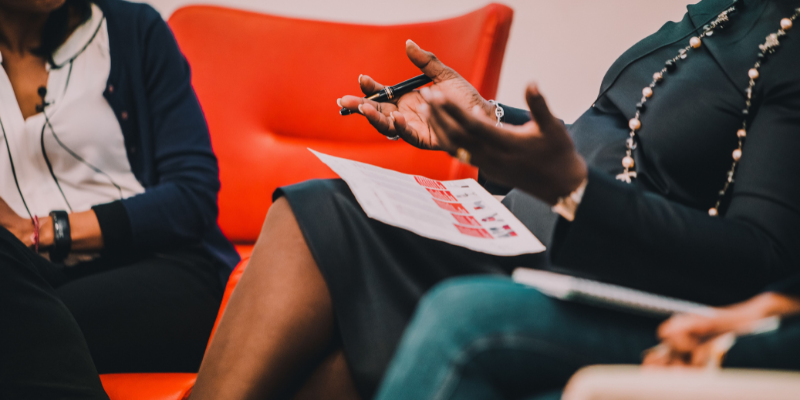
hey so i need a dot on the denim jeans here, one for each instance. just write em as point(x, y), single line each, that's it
point(490, 338)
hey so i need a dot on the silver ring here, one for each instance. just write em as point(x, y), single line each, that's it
point(396, 137)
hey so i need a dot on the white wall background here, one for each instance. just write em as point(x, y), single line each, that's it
point(564, 45)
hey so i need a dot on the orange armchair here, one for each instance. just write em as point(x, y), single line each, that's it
point(268, 86)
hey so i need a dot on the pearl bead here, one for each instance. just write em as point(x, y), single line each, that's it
point(741, 133)
point(634, 124)
point(695, 42)
point(713, 212)
point(753, 73)
point(658, 76)
point(786, 24)
point(647, 92)
point(737, 154)
point(627, 162)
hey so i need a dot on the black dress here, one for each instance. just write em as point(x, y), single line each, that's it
point(654, 234)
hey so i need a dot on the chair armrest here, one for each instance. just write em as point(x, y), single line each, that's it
point(629, 382)
point(150, 386)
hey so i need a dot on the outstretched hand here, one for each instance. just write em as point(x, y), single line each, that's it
point(401, 117)
point(697, 340)
point(538, 157)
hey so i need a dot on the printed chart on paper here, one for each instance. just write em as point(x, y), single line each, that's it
point(459, 212)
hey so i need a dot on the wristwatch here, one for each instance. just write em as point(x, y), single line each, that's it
point(62, 237)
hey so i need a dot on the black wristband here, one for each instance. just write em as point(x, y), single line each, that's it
point(62, 237)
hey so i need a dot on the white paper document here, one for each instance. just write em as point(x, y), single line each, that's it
point(459, 212)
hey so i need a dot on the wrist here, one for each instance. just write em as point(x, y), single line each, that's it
point(771, 304)
point(45, 232)
point(576, 175)
point(488, 108)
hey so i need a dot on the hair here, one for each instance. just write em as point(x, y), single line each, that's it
point(56, 27)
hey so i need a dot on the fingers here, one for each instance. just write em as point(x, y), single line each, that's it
point(428, 63)
point(400, 124)
point(712, 352)
point(368, 85)
point(685, 332)
point(381, 122)
point(438, 127)
point(465, 128)
point(454, 126)
point(659, 355)
point(352, 103)
point(539, 110)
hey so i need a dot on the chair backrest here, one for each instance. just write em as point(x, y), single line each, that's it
point(268, 86)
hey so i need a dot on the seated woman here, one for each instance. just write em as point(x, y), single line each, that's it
point(107, 171)
point(490, 338)
point(643, 182)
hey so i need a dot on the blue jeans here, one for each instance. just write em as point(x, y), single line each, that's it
point(490, 338)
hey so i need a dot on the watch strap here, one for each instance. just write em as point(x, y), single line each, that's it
point(62, 236)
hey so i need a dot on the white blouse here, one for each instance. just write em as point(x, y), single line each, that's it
point(83, 140)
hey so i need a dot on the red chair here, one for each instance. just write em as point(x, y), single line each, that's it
point(268, 86)
point(164, 386)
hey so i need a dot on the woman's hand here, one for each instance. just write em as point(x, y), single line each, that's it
point(696, 340)
point(21, 227)
point(538, 157)
point(401, 117)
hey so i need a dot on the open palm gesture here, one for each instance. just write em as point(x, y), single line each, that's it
point(402, 117)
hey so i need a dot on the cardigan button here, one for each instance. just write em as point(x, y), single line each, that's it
point(124, 115)
point(110, 88)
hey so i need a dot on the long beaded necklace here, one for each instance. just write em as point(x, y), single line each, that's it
point(635, 124)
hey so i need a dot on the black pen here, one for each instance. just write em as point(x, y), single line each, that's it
point(393, 92)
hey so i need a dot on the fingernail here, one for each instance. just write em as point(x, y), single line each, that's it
point(534, 88)
point(359, 79)
point(411, 41)
point(359, 108)
point(339, 102)
point(391, 117)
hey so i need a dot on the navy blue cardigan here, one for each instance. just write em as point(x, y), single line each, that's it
point(167, 141)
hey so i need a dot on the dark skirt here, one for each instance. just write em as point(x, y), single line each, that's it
point(377, 273)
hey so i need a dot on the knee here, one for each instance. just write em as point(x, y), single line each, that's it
point(279, 217)
point(460, 308)
point(458, 295)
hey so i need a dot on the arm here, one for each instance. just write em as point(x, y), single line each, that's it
point(180, 204)
point(642, 239)
point(696, 340)
point(85, 230)
point(512, 116)
point(664, 246)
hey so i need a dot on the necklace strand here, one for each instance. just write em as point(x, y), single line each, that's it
point(635, 124)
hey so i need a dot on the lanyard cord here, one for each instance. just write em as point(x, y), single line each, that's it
point(14, 170)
